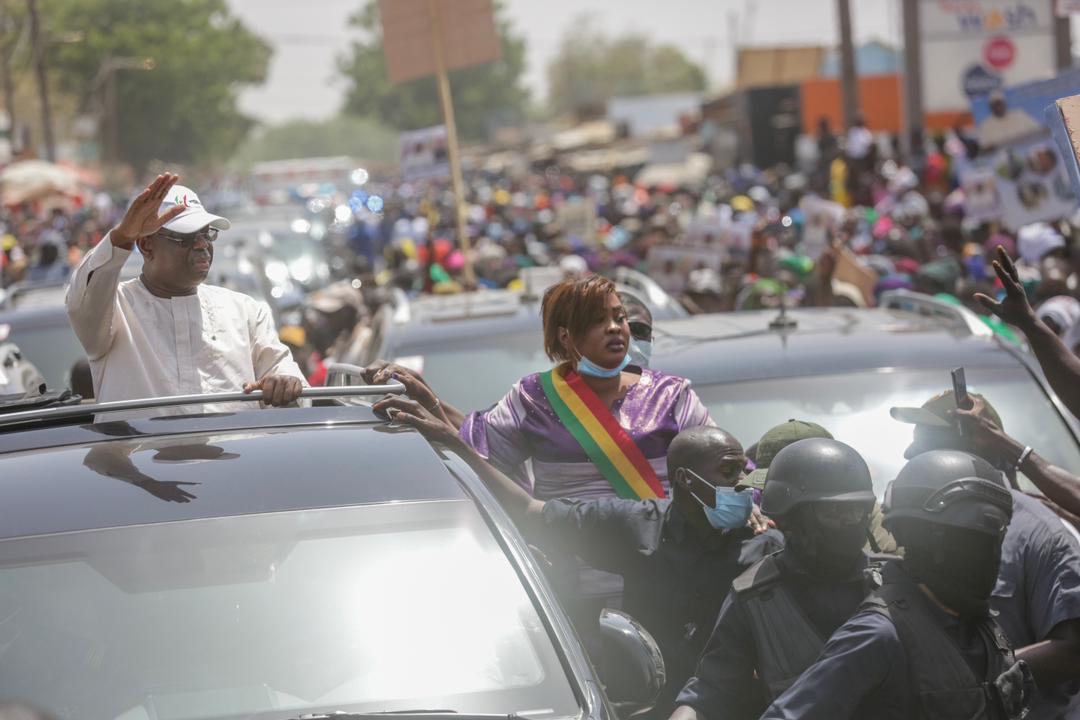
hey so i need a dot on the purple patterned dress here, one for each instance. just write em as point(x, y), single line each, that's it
point(523, 426)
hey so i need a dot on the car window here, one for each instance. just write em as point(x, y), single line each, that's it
point(52, 349)
point(474, 373)
point(854, 407)
point(361, 609)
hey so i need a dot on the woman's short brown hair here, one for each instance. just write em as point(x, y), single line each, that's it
point(575, 305)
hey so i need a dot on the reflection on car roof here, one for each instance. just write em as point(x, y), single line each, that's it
point(133, 479)
point(740, 346)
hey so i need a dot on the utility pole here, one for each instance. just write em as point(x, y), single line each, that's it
point(1062, 40)
point(38, 45)
point(849, 80)
point(913, 98)
point(435, 18)
point(7, 48)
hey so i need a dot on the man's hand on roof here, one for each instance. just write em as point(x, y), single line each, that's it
point(278, 390)
point(141, 218)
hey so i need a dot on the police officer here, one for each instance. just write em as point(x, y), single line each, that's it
point(782, 435)
point(783, 609)
point(640, 320)
point(677, 557)
point(1037, 596)
point(924, 646)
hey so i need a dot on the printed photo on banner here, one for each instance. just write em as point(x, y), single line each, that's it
point(424, 154)
point(1020, 176)
point(1018, 113)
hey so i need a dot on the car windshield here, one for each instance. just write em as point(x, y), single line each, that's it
point(52, 349)
point(474, 373)
point(854, 407)
point(361, 609)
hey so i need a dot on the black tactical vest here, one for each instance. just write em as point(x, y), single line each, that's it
point(787, 643)
point(943, 684)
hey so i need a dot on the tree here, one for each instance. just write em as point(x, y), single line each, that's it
point(591, 68)
point(485, 95)
point(184, 110)
point(361, 138)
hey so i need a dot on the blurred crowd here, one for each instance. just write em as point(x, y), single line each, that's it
point(866, 218)
point(42, 243)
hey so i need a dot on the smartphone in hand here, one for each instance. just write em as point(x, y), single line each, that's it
point(960, 391)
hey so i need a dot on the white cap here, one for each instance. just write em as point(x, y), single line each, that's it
point(193, 219)
point(1034, 241)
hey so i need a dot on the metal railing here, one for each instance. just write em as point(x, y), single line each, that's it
point(71, 411)
point(932, 307)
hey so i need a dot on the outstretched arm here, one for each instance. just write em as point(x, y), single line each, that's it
point(1061, 367)
point(514, 499)
point(990, 441)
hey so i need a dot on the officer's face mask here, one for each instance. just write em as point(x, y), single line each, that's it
point(959, 566)
point(640, 352)
point(640, 343)
point(731, 507)
point(829, 537)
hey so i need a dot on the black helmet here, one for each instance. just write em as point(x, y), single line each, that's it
point(950, 488)
point(812, 470)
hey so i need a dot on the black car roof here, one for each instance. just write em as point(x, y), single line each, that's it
point(434, 319)
point(45, 315)
point(741, 346)
point(124, 473)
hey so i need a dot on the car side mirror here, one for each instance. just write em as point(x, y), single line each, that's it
point(632, 667)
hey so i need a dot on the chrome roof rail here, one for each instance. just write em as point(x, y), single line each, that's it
point(340, 374)
point(70, 411)
point(929, 306)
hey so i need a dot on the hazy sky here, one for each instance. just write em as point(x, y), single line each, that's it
point(308, 35)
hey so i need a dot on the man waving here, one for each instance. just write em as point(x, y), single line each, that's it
point(165, 332)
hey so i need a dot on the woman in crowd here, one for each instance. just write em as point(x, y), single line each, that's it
point(594, 425)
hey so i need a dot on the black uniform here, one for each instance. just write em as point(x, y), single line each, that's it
point(674, 581)
point(770, 629)
point(902, 658)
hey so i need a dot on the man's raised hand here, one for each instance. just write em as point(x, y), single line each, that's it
point(142, 218)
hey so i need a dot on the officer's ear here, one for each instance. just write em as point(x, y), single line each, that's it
point(681, 478)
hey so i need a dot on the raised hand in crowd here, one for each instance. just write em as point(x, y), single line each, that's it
point(1061, 366)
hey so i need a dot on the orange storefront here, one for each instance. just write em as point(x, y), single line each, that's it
point(880, 98)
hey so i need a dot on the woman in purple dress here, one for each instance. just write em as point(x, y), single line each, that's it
point(586, 331)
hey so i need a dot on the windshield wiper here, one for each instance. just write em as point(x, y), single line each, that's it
point(420, 714)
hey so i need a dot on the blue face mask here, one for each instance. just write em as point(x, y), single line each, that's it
point(640, 352)
point(731, 509)
point(585, 366)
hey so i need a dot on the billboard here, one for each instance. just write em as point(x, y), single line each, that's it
point(1020, 176)
point(1011, 39)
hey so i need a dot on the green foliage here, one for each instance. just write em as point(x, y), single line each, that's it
point(360, 138)
point(184, 110)
point(591, 68)
point(485, 95)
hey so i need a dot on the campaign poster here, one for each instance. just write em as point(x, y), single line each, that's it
point(424, 154)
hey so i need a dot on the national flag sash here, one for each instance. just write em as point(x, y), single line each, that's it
point(595, 428)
